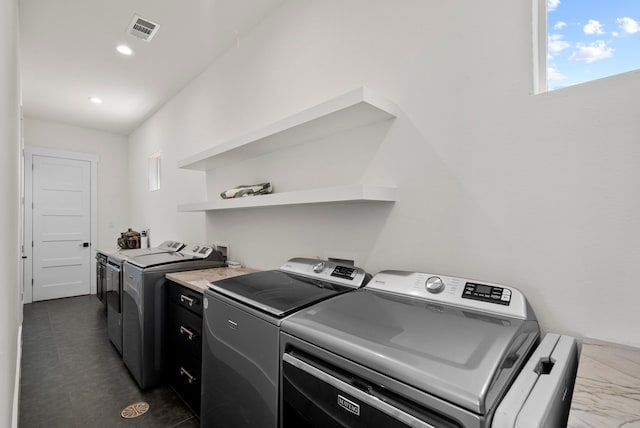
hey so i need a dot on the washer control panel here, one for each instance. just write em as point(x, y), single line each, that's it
point(327, 270)
point(460, 292)
point(487, 293)
point(196, 251)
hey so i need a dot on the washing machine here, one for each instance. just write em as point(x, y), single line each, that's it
point(242, 315)
point(143, 307)
point(113, 281)
point(415, 349)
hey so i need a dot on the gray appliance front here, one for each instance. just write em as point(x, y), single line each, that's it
point(320, 389)
point(114, 303)
point(239, 385)
point(133, 321)
point(143, 318)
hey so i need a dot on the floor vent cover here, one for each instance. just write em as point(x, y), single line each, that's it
point(143, 28)
point(134, 410)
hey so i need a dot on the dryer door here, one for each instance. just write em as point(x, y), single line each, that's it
point(318, 395)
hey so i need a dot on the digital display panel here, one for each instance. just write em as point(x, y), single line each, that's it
point(344, 272)
point(483, 289)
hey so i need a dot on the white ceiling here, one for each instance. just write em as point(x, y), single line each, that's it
point(68, 54)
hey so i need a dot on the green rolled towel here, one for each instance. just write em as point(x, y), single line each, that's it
point(247, 190)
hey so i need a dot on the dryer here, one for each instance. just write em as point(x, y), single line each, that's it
point(113, 282)
point(143, 307)
point(240, 351)
point(421, 350)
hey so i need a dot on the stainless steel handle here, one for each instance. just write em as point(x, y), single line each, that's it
point(185, 330)
point(371, 400)
point(184, 372)
point(187, 299)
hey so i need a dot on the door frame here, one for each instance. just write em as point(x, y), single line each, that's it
point(29, 153)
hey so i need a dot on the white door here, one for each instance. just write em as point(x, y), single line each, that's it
point(61, 227)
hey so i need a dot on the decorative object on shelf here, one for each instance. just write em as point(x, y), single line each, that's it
point(129, 240)
point(247, 190)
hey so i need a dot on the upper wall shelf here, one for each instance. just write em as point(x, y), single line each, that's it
point(348, 111)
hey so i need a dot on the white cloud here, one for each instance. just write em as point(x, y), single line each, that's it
point(593, 27)
point(593, 52)
point(556, 44)
point(629, 25)
point(615, 33)
point(552, 5)
point(559, 25)
point(554, 74)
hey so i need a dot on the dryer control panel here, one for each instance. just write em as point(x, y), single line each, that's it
point(196, 251)
point(327, 270)
point(461, 292)
point(487, 293)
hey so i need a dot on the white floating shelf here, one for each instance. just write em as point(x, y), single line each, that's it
point(341, 194)
point(348, 111)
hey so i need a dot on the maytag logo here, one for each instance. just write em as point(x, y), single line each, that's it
point(348, 405)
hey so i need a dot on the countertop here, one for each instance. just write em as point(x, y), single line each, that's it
point(607, 390)
point(198, 280)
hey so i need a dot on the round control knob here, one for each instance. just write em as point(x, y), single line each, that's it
point(434, 285)
point(317, 268)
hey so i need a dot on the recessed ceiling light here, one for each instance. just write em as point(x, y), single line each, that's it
point(95, 100)
point(124, 50)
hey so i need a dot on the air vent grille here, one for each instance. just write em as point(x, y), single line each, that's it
point(143, 28)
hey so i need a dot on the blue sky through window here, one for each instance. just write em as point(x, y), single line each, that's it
point(591, 39)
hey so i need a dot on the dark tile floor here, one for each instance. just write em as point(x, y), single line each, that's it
point(73, 377)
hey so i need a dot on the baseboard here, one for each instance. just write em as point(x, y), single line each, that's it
point(16, 387)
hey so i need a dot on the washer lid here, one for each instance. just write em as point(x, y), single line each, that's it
point(463, 356)
point(276, 292)
point(166, 247)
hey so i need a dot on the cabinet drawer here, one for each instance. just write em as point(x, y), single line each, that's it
point(184, 331)
point(185, 297)
point(184, 378)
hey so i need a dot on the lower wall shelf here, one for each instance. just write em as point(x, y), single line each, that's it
point(328, 195)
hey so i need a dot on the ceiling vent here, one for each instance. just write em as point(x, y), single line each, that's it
point(143, 28)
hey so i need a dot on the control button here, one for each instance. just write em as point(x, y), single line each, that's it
point(505, 298)
point(318, 267)
point(507, 292)
point(434, 285)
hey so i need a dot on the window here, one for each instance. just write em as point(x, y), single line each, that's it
point(154, 172)
point(586, 40)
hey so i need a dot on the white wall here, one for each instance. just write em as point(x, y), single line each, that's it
point(166, 132)
point(10, 262)
point(113, 209)
point(538, 192)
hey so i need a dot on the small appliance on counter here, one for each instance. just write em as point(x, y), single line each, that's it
point(129, 240)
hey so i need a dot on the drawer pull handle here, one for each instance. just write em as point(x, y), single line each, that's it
point(232, 325)
point(184, 372)
point(187, 299)
point(185, 330)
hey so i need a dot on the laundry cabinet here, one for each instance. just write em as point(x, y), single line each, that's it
point(184, 343)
